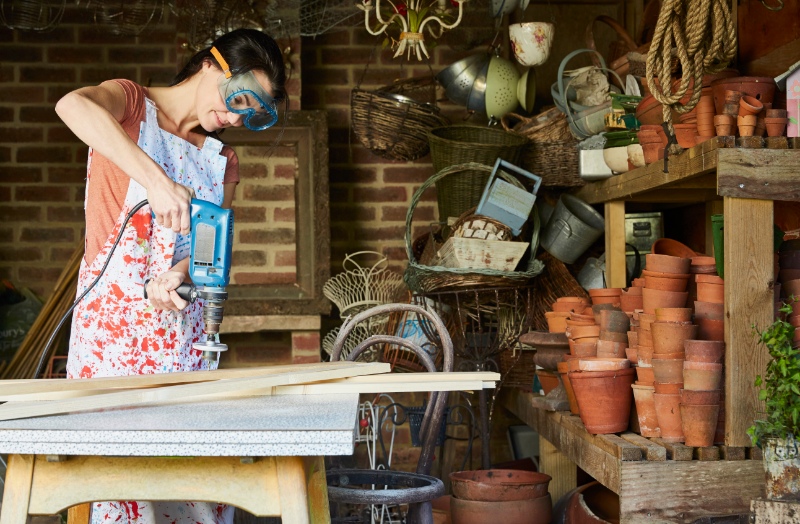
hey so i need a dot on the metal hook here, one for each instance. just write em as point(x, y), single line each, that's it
point(780, 5)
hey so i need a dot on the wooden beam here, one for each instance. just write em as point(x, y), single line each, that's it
point(616, 272)
point(764, 174)
point(675, 450)
point(17, 489)
point(749, 301)
point(651, 450)
point(11, 410)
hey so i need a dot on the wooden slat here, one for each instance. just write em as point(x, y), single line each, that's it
point(675, 450)
point(732, 452)
point(652, 451)
point(615, 244)
point(765, 174)
point(11, 410)
point(608, 443)
point(754, 453)
point(748, 302)
point(17, 489)
point(625, 450)
point(710, 453)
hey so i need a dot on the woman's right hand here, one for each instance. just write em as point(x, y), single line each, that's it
point(171, 204)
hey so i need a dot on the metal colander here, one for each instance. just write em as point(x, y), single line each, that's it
point(458, 78)
point(501, 87)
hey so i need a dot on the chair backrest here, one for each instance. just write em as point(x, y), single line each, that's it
point(435, 409)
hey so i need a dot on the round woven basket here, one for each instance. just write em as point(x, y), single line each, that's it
point(393, 121)
point(425, 279)
point(461, 144)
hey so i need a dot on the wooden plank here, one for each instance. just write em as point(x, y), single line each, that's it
point(616, 274)
point(767, 174)
point(675, 196)
point(292, 490)
point(710, 453)
point(253, 323)
point(317, 490)
point(79, 514)
point(652, 176)
point(17, 490)
point(748, 302)
point(774, 511)
point(754, 453)
point(560, 467)
point(675, 450)
point(11, 410)
point(732, 452)
point(624, 450)
point(652, 451)
point(59, 485)
point(685, 491)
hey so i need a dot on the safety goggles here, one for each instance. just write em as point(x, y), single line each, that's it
point(244, 95)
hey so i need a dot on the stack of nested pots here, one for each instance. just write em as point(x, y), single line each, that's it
point(701, 265)
point(670, 329)
point(549, 358)
point(702, 405)
point(709, 306)
point(653, 141)
point(521, 497)
point(705, 116)
point(666, 279)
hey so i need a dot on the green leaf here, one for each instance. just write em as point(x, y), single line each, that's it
point(762, 395)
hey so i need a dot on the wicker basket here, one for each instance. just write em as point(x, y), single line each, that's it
point(461, 144)
point(393, 121)
point(424, 279)
point(552, 151)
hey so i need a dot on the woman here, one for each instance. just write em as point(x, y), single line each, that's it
point(159, 144)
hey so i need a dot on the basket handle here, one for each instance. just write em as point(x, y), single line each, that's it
point(381, 264)
point(458, 168)
point(616, 26)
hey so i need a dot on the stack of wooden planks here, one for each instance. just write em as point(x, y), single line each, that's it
point(44, 397)
point(23, 363)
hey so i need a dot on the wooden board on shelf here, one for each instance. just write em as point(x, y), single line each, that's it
point(767, 174)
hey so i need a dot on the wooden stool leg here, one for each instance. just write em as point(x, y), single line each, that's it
point(79, 514)
point(292, 490)
point(17, 489)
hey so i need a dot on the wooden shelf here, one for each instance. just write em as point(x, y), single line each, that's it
point(656, 481)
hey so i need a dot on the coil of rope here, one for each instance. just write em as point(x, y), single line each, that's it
point(702, 35)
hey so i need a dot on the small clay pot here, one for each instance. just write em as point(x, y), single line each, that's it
point(724, 130)
point(731, 109)
point(548, 379)
point(674, 314)
point(645, 356)
point(633, 338)
point(646, 410)
point(724, 119)
point(711, 396)
point(667, 388)
point(530, 511)
point(653, 151)
point(584, 349)
point(678, 283)
point(572, 323)
point(556, 321)
point(667, 264)
point(563, 369)
point(710, 310)
point(668, 370)
point(669, 337)
point(603, 363)
point(654, 298)
point(709, 329)
point(776, 126)
point(732, 97)
point(631, 300)
point(707, 292)
point(615, 321)
point(699, 424)
point(749, 105)
point(645, 338)
point(608, 349)
point(777, 113)
point(604, 399)
point(495, 485)
point(632, 354)
point(668, 414)
point(644, 375)
point(700, 375)
point(671, 247)
point(613, 336)
point(686, 134)
point(576, 332)
point(711, 351)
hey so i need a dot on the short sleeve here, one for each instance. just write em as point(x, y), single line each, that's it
point(232, 168)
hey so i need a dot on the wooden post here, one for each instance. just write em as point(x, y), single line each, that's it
point(79, 514)
point(17, 489)
point(558, 466)
point(616, 272)
point(749, 302)
point(292, 490)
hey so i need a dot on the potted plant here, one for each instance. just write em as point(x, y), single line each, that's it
point(780, 391)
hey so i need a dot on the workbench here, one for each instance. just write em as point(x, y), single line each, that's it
point(262, 454)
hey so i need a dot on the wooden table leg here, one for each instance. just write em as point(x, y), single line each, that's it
point(616, 270)
point(79, 514)
point(17, 489)
point(302, 490)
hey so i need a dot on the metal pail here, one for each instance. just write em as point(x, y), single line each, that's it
point(572, 228)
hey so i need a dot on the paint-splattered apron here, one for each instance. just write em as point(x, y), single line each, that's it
point(116, 332)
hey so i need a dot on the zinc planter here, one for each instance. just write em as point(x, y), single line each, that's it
point(782, 469)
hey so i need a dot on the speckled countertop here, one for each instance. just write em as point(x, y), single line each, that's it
point(288, 425)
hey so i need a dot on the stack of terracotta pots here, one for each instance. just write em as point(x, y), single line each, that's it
point(743, 107)
point(653, 141)
point(666, 279)
point(480, 496)
point(566, 312)
point(701, 399)
point(710, 306)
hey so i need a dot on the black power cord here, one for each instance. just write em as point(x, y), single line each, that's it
point(46, 350)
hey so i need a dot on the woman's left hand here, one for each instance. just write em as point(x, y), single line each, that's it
point(161, 291)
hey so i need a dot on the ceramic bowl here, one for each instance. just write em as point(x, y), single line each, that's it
point(616, 158)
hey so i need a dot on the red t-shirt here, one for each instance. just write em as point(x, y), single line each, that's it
point(109, 184)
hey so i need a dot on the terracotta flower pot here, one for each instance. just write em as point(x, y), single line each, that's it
point(604, 399)
point(630, 302)
point(724, 120)
point(612, 336)
point(699, 424)
point(548, 379)
point(646, 410)
point(645, 356)
point(632, 354)
point(777, 113)
point(583, 316)
point(654, 298)
point(569, 307)
point(668, 337)
point(707, 292)
point(668, 388)
point(668, 414)
point(674, 314)
point(686, 134)
point(646, 338)
point(563, 369)
point(724, 130)
point(574, 323)
point(711, 396)
point(776, 126)
point(710, 351)
point(609, 349)
point(701, 376)
point(653, 152)
point(556, 321)
point(633, 338)
point(616, 321)
point(678, 283)
point(731, 110)
point(585, 349)
point(749, 105)
point(646, 319)
point(603, 364)
point(667, 263)
point(732, 97)
point(710, 310)
point(668, 371)
point(709, 329)
point(644, 375)
point(496, 485)
point(528, 511)
point(576, 332)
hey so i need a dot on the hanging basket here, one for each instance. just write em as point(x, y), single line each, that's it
point(425, 279)
point(393, 121)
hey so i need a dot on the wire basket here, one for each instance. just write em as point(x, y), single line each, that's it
point(361, 332)
point(361, 287)
point(393, 121)
point(422, 279)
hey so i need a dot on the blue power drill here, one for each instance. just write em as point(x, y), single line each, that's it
point(209, 269)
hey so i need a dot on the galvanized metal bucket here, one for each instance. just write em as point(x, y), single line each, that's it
point(782, 468)
point(572, 228)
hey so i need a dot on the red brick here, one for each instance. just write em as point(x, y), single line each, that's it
point(21, 134)
point(5, 194)
point(285, 171)
point(6, 234)
point(66, 175)
point(49, 234)
point(61, 134)
point(47, 74)
point(21, 254)
point(158, 75)
point(65, 214)
point(249, 258)
point(305, 341)
point(395, 253)
point(74, 54)
point(379, 194)
point(408, 174)
point(59, 35)
point(323, 76)
point(19, 53)
point(41, 155)
point(354, 175)
point(19, 213)
point(326, 39)
point(247, 214)
point(42, 193)
point(263, 356)
point(26, 175)
point(250, 171)
point(40, 115)
point(265, 278)
point(268, 193)
point(285, 258)
point(338, 117)
point(22, 95)
point(40, 274)
point(98, 75)
point(267, 236)
point(345, 56)
point(337, 96)
point(136, 55)
point(380, 233)
point(61, 254)
point(284, 214)
point(352, 212)
point(6, 113)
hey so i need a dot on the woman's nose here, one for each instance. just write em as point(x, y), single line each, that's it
point(235, 119)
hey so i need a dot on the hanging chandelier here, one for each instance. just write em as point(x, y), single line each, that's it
point(411, 19)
